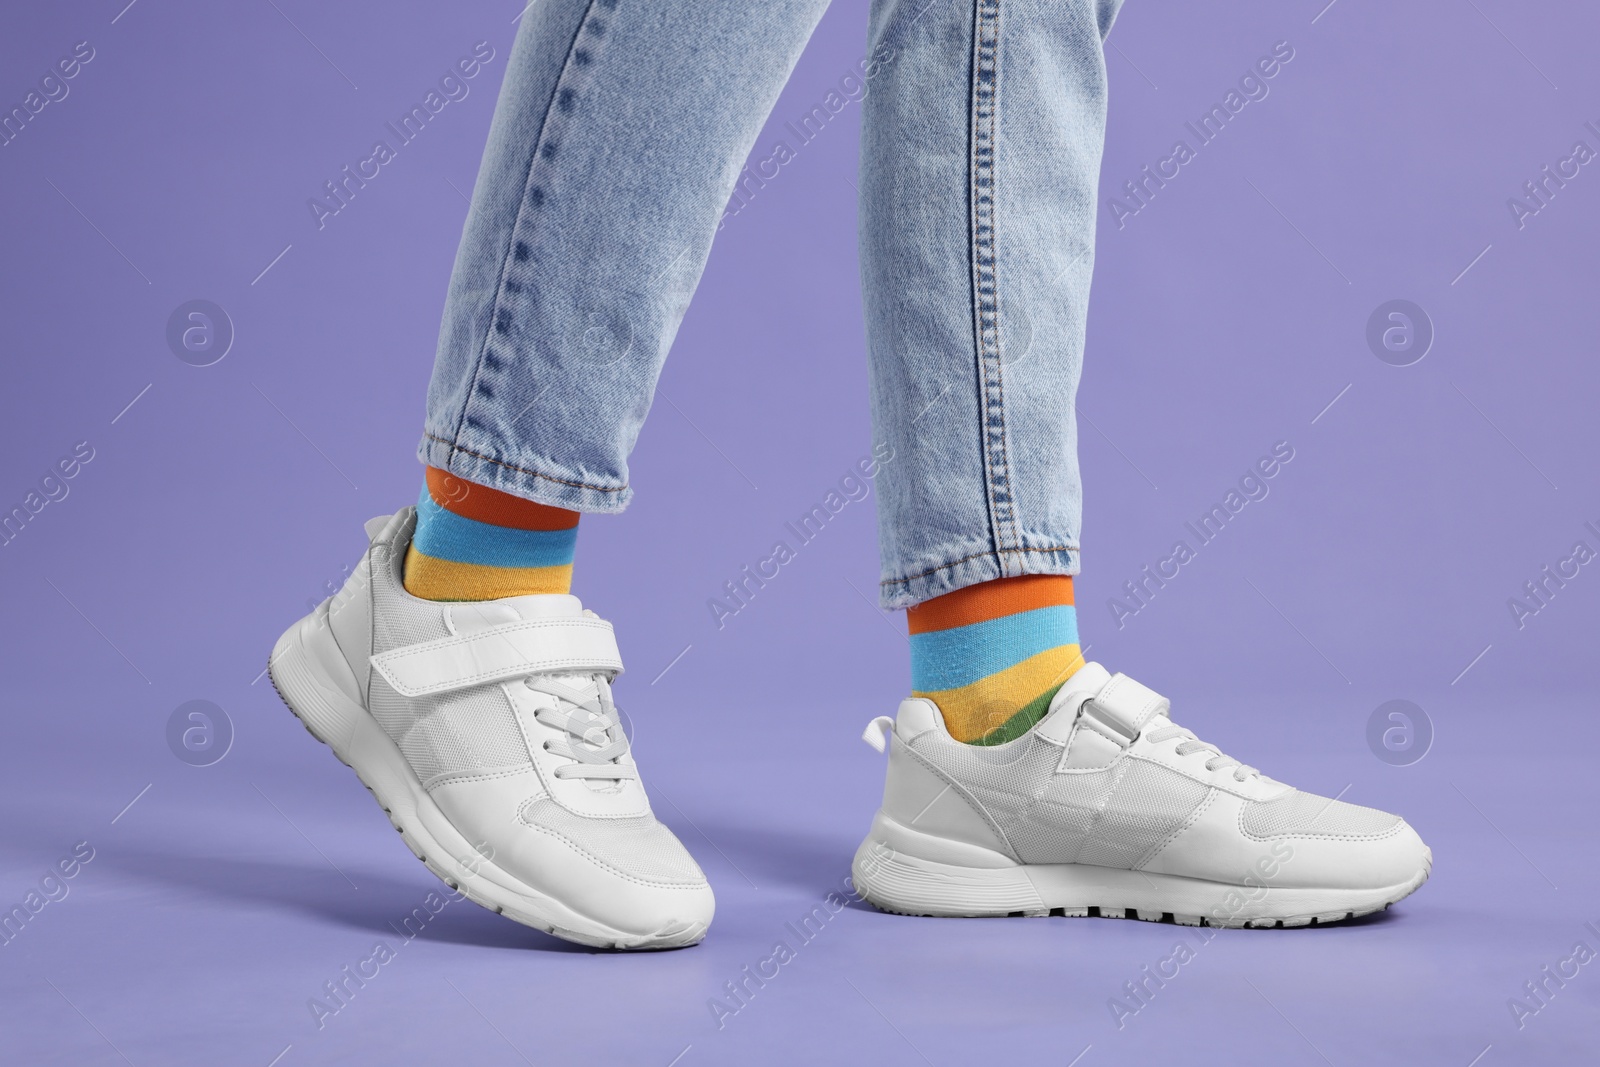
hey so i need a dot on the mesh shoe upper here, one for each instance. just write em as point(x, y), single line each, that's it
point(638, 847)
point(469, 731)
point(1306, 814)
point(1117, 787)
point(470, 735)
point(1112, 817)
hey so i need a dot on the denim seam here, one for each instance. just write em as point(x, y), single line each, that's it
point(516, 226)
point(977, 555)
point(986, 296)
point(455, 447)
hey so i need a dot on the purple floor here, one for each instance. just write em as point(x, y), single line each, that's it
point(1391, 559)
point(218, 905)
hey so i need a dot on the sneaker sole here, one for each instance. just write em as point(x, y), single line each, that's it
point(889, 875)
point(355, 737)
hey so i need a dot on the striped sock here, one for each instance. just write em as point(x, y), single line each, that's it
point(477, 543)
point(992, 655)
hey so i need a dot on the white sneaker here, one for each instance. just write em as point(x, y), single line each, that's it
point(1107, 808)
point(487, 733)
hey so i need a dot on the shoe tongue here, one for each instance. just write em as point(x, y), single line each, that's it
point(472, 616)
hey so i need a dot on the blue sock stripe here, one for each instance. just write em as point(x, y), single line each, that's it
point(443, 534)
point(950, 659)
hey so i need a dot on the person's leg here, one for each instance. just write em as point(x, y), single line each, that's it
point(477, 543)
point(453, 672)
point(615, 147)
point(980, 161)
point(979, 169)
point(993, 654)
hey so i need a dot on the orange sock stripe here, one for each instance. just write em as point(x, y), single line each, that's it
point(990, 600)
point(494, 507)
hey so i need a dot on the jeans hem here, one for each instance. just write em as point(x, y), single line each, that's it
point(519, 479)
point(986, 566)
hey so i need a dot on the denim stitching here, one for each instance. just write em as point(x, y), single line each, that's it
point(454, 448)
point(560, 99)
point(978, 555)
point(986, 297)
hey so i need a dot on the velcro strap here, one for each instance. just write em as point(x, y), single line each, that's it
point(580, 645)
point(1126, 706)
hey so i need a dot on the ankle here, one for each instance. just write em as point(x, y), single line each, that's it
point(991, 655)
point(474, 542)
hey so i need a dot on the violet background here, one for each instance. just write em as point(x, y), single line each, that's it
point(1226, 316)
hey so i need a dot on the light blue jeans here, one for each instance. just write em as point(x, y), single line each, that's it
point(619, 139)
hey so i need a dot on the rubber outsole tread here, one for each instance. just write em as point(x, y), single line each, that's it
point(978, 906)
point(1102, 912)
point(1295, 922)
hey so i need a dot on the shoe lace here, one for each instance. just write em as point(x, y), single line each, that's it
point(1192, 744)
point(594, 739)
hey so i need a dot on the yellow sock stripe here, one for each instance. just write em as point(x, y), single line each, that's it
point(443, 579)
point(974, 710)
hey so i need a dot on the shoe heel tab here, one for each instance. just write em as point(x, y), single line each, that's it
point(916, 716)
point(877, 733)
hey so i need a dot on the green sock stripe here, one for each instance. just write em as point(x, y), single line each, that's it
point(1022, 721)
